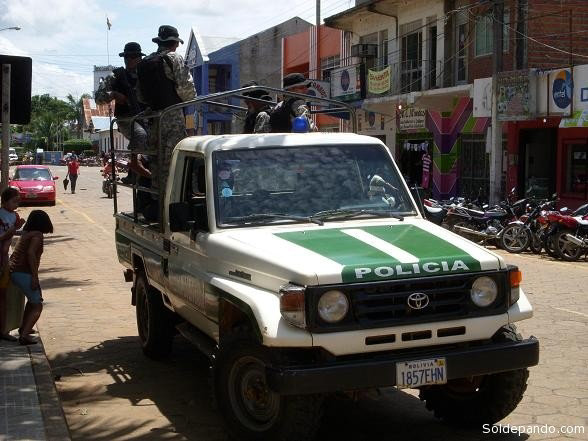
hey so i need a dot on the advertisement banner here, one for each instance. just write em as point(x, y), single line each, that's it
point(321, 89)
point(379, 81)
point(346, 83)
point(412, 119)
point(483, 98)
point(516, 96)
point(561, 89)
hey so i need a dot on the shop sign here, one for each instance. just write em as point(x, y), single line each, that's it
point(578, 119)
point(320, 89)
point(379, 80)
point(412, 119)
point(483, 98)
point(346, 83)
point(561, 91)
point(370, 121)
point(516, 96)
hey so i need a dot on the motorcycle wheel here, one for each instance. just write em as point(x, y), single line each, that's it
point(536, 244)
point(549, 245)
point(515, 239)
point(565, 249)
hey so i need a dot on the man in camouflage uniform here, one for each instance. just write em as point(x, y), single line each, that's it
point(282, 115)
point(120, 87)
point(257, 117)
point(165, 80)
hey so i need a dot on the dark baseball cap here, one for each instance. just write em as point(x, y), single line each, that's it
point(167, 33)
point(131, 48)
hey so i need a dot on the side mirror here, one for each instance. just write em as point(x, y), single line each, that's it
point(179, 216)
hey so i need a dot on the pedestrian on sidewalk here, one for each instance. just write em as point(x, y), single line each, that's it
point(9, 223)
point(73, 169)
point(24, 270)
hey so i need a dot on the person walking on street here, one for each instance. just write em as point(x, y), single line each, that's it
point(121, 87)
point(165, 80)
point(24, 270)
point(9, 223)
point(73, 170)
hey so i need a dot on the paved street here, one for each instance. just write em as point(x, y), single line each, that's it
point(110, 391)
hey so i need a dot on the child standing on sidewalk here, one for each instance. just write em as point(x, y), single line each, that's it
point(9, 223)
point(24, 270)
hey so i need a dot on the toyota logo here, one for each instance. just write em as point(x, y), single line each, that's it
point(417, 300)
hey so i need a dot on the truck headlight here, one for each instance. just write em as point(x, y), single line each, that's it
point(333, 306)
point(484, 291)
point(292, 304)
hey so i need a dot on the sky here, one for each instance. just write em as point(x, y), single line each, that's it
point(66, 38)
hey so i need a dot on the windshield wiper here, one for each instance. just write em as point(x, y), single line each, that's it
point(345, 213)
point(267, 216)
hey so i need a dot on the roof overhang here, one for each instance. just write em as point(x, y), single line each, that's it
point(440, 100)
point(345, 20)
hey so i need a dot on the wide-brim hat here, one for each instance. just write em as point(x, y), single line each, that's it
point(131, 48)
point(258, 93)
point(295, 80)
point(167, 33)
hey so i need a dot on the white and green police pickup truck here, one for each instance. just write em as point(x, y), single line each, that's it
point(300, 264)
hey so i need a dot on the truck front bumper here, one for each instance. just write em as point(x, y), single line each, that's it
point(381, 371)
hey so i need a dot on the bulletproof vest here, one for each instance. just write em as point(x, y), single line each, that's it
point(157, 90)
point(250, 121)
point(125, 84)
point(281, 116)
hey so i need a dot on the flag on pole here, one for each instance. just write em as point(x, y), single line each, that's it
point(108, 23)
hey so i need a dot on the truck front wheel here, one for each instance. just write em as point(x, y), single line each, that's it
point(251, 410)
point(471, 402)
point(154, 321)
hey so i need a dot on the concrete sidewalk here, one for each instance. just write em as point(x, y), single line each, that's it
point(29, 406)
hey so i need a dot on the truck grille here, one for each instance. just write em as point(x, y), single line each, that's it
point(384, 304)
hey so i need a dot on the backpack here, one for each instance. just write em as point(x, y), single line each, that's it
point(157, 90)
point(281, 116)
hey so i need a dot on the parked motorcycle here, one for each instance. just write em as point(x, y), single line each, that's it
point(526, 231)
point(571, 239)
point(487, 225)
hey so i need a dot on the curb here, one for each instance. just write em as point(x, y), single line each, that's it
point(56, 428)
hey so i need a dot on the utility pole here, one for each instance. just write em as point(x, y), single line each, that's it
point(318, 39)
point(6, 70)
point(496, 151)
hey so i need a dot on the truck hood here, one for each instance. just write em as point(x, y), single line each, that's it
point(356, 251)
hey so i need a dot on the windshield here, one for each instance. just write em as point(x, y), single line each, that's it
point(32, 174)
point(306, 182)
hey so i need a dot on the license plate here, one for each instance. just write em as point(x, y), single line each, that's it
point(416, 373)
point(31, 195)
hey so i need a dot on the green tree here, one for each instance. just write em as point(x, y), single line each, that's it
point(77, 106)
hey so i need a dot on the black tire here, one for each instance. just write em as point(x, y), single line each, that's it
point(549, 246)
point(155, 322)
point(252, 412)
point(565, 249)
point(514, 239)
point(481, 400)
point(536, 244)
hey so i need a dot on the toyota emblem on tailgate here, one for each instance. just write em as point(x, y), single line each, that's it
point(417, 300)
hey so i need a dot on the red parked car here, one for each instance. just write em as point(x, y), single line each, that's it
point(35, 183)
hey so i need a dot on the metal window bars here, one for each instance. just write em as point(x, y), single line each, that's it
point(319, 105)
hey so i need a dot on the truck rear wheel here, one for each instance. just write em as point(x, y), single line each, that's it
point(250, 409)
point(154, 321)
point(471, 402)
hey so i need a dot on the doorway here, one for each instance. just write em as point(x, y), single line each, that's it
point(537, 170)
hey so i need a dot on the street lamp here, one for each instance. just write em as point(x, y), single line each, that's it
point(14, 28)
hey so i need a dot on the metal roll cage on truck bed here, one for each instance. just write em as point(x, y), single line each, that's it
point(301, 266)
point(319, 106)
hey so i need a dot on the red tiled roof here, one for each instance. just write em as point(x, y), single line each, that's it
point(92, 109)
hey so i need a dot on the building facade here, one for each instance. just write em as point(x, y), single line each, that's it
point(425, 68)
point(224, 64)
